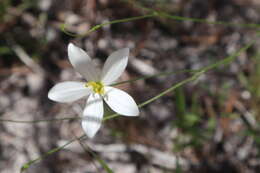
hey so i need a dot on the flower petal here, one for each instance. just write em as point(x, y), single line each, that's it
point(68, 91)
point(92, 115)
point(82, 63)
point(114, 66)
point(120, 102)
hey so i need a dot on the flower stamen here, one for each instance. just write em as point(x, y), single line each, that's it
point(97, 87)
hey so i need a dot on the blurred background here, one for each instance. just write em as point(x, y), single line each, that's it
point(210, 125)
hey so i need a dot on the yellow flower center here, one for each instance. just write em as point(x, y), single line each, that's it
point(96, 87)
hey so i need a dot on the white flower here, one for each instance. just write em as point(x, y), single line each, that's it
point(97, 88)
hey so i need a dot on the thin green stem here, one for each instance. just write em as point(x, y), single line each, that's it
point(38, 121)
point(156, 13)
point(28, 164)
point(182, 18)
point(195, 76)
point(96, 27)
point(192, 78)
point(86, 148)
point(229, 58)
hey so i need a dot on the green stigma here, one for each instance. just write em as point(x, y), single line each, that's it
point(97, 87)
